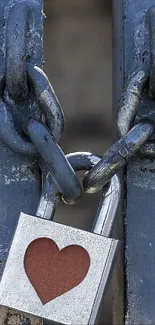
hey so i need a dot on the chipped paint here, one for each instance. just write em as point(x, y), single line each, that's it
point(19, 173)
point(140, 170)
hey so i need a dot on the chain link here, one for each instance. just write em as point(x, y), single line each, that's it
point(117, 156)
point(130, 101)
point(55, 160)
point(129, 107)
point(47, 100)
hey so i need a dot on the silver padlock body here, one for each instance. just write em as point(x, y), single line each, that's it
point(76, 305)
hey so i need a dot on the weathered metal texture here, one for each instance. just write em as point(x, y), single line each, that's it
point(139, 201)
point(117, 156)
point(54, 158)
point(19, 176)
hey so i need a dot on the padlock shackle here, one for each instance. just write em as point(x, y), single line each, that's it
point(106, 213)
point(50, 193)
point(80, 161)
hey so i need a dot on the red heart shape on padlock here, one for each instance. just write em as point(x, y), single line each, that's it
point(53, 272)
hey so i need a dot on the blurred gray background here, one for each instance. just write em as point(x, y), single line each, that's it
point(78, 62)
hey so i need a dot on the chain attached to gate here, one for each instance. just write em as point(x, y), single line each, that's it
point(133, 139)
point(26, 86)
point(31, 124)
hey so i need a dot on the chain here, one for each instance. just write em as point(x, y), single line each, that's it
point(27, 88)
point(133, 139)
point(117, 156)
point(25, 96)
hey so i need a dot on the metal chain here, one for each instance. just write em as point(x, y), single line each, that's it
point(23, 131)
point(117, 156)
point(133, 139)
point(27, 87)
point(130, 105)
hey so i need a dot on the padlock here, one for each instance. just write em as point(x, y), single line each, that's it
point(58, 272)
